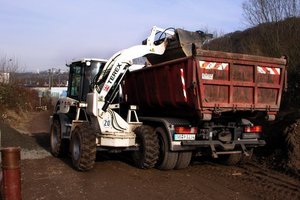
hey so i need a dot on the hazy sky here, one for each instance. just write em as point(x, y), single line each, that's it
point(42, 34)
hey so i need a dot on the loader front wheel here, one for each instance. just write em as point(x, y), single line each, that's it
point(58, 146)
point(167, 159)
point(147, 155)
point(83, 147)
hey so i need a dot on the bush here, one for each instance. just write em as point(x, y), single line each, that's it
point(17, 98)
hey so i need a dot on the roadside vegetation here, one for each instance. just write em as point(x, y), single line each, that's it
point(17, 98)
point(16, 102)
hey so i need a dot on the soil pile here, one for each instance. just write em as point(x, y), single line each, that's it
point(292, 139)
point(282, 151)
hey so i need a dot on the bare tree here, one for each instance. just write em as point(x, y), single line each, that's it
point(9, 65)
point(262, 11)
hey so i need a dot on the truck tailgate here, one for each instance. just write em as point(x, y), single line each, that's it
point(239, 81)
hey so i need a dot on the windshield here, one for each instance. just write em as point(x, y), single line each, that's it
point(95, 69)
point(91, 75)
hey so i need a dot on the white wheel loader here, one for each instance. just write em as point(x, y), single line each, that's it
point(88, 119)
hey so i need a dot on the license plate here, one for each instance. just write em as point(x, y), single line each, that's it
point(184, 137)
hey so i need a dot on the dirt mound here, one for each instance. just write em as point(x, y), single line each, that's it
point(282, 151)
point(28, 130)
point(27, 122)
point(292, 139)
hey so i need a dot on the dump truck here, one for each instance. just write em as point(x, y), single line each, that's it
point(205, 102)
point(183, 101)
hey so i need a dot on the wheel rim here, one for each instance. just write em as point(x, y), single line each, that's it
point(161, 148)
point(76, 148)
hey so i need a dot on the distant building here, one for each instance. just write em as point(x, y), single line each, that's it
point(4, 77)
point(54, 93)
point(58, 91)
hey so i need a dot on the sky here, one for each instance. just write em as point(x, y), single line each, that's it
point(44, 34)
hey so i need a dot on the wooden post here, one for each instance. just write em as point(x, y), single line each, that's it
point(11, 180)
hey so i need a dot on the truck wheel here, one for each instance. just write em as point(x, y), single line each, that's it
point(230, 159)
point(58, 146)
point(83, 147)
point(147, 155)
point(167, 159)
point(184, 159)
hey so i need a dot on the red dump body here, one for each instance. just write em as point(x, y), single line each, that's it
point(208, 82)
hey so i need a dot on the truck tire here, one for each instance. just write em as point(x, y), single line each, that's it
point(184, 159)
point(167, 159)
point(147, 155)
point(58, 146)
point(83, 147)
point(230, 159)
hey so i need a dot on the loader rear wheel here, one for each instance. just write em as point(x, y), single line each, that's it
point(83, 147)
point(184, 159)
point(167, 159)
point(147, 155)
point(58, 146)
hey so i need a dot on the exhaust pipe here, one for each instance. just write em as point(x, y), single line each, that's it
point(11, 173)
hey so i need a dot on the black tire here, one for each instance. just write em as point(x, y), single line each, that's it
point(147, 155)
point(83, 147)
point(230, 159)
point(184, 159)
point(167, 159)
point(58, 146)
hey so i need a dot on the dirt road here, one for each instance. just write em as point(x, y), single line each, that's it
point(46, 177)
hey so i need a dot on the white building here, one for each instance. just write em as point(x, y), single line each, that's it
point(4, 77)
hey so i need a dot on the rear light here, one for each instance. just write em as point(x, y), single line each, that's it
point(253, 129)
point(185, 133)
point(186, 130)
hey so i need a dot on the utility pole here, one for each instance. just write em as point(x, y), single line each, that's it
point(49, 72)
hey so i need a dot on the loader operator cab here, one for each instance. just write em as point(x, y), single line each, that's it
point(82, 74)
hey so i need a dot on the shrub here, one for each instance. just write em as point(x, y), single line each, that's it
point(17, 98)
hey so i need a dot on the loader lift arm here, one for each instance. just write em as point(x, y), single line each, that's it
point(117, 66)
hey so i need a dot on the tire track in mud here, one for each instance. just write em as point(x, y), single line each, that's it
point(281, 185)
point(184, 184)
point(251, 179)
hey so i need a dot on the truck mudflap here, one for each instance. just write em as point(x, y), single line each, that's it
point(225, 148)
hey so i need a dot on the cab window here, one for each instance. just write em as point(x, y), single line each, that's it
point(74, 85)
